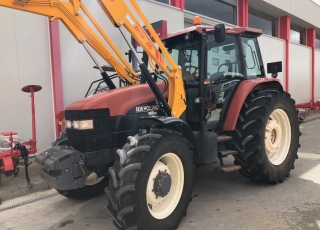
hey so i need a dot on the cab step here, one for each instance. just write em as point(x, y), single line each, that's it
point(225, 153)
point(223, 138)
point(228, 168)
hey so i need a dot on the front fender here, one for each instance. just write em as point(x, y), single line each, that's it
point(175, 124)
point(242, 92)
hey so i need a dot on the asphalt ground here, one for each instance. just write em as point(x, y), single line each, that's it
point(220, 201)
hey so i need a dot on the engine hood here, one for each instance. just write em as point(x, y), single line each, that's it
point(118, 101)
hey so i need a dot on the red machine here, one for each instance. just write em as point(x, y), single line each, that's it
point(10, 157)
point(310, 105)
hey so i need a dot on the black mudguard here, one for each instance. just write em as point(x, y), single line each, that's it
point(175, 124)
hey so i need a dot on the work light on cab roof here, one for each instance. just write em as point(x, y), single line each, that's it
point(196, 21)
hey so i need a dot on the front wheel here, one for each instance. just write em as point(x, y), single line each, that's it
point(151, 181)
point(267, 136)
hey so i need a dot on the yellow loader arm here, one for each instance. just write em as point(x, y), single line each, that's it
point(121, 16)
point(67, 12)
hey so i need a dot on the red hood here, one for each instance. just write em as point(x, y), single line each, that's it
point(119, 101)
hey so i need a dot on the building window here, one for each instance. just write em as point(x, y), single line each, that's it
point(215, 49)
point(318, 41)
point(215, 61)
point(163, 1)
point(297, 34)
point(223, 10)
point(266, 22)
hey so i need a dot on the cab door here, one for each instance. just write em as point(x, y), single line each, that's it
point(225, 71)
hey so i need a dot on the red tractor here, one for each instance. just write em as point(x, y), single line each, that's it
point(208, 97)
point(232, 109)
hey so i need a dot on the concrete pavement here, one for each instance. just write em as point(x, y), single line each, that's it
point(12, 187)
point(220, 201)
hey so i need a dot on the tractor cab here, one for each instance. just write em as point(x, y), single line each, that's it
point(214, 60)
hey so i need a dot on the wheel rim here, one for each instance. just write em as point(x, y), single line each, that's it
point(162, 207)
point(92, 178)
point(277, 136)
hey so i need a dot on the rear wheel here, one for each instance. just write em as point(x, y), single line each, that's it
point(151, 181)
point(94, 185)
point(267, 136)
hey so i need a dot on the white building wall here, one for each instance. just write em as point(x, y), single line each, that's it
point(300, 73)
point(77, 65)
point(317, 76)
point(25, 60)
point(306, 10)
point(273, 50)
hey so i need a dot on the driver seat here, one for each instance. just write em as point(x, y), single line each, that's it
point(216, 76)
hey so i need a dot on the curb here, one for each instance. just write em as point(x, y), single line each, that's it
point(311, 118)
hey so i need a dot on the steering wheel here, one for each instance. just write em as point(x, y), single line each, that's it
point(194, 73)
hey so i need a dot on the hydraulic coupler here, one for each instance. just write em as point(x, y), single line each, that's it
point(63, 168)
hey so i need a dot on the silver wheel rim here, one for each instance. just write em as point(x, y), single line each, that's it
point(162, 207)
point(92, 178)
point(277, 136)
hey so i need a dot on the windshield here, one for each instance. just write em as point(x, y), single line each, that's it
point(186, 53)
point(253, 60)
point(223, 59)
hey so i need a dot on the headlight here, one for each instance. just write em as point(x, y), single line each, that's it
point(83, 125)
point(75, 124)
point(68, 124)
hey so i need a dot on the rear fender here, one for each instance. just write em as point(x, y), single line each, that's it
point(175, 124)
point(242, 92)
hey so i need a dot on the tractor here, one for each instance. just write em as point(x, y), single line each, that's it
point(207, 97)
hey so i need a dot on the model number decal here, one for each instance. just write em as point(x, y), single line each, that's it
point(147, 108)
point(139, 31)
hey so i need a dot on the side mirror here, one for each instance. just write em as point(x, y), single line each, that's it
point(274, 68)
point(220, 33)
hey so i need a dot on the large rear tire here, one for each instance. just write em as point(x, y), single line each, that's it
point(267, 136)
point(94, 185)
point(151, 181)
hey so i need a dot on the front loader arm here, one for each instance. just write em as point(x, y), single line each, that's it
point(121, 15)
point(67, 12)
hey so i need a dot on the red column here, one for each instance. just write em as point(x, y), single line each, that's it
point(311, 42)
point(56, 68)
point(178, 3)
point(243, 8)
point(284, 33)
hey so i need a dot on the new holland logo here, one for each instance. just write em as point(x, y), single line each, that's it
point(147, 108)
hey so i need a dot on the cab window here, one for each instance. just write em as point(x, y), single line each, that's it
point(252, 57)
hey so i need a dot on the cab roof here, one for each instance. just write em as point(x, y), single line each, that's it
point(233, 30)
